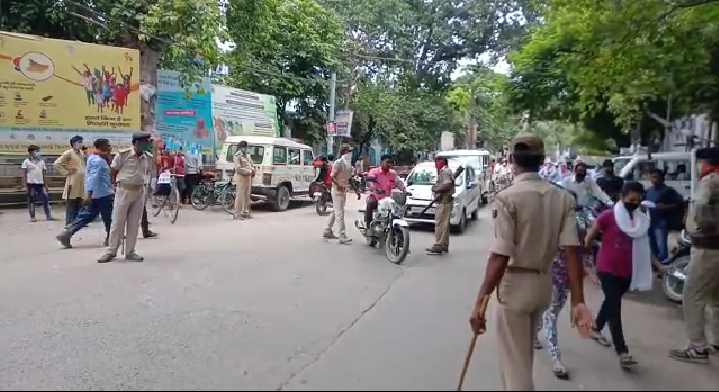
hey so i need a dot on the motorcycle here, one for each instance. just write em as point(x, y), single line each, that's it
point(388, 228)
point(676, 269)
point(323, 198)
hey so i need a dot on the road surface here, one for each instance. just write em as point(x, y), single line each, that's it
point(267, 304)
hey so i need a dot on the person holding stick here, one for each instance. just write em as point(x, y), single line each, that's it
point(532, 219)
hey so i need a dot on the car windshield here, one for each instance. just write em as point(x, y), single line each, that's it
point(428, 176)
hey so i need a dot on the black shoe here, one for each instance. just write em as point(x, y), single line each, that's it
point(149, 234)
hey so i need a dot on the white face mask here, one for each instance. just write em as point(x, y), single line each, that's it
point(77, 145)
point(347, 157)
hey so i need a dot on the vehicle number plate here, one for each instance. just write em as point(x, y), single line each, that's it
point(417, 210)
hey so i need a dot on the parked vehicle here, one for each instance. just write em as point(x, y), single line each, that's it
point(323, 198)
point(676, 269)
point(467, 196)
point(477, 159)
point(388, 228)
point(283, 168)
point(209, 193)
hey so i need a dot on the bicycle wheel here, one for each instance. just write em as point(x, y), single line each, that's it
point(174, 204)
point(200, 197)
point(228, 200)
point(158, 204)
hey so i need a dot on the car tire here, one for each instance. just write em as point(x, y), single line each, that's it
point(282, 200)
point(462, 226)
point(475, 214)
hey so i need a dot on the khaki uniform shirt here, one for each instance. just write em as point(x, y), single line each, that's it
point(532, 220)
point(445, 175)
point(72, 162)
point(243, 164)
point(341, 173)
point(703, 216)
point(132, 170)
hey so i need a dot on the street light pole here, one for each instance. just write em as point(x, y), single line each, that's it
point(333, 93)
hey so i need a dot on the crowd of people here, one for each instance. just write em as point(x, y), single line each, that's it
point(535, 264)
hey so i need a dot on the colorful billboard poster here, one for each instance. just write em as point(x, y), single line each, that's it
point(183, 117)
point(56, 142)
point(49, 85)
point(343, 123)
point(242, 113)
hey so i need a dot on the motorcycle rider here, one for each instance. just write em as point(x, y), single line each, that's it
point(583, 185)
point(608, 182)
point(385, 180)
point(325, 173)
point(702, 285)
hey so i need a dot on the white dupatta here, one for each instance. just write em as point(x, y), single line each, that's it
point(638, 230)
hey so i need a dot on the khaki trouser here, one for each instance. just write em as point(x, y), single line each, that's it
point(700, 291)
point(242, 197)
point(441, 225)
point(339, 199)
point(523, 297)
point(126, 215)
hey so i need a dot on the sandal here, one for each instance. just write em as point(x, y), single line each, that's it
point(599, 338)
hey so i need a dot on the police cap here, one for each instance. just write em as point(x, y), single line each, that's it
point(527, 144)
point(141, 136)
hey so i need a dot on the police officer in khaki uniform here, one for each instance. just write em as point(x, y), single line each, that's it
point(702, 286)
point(244, 171)
point(443, 190)
point(532, 219)
point(131, 168)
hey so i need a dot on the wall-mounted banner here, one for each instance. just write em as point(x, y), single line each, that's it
point(49, 85)
point(184, 116)
point(343, 123)
point(242, 113)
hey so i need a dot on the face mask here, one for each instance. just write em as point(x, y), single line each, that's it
point(580, 177)
point(630, 206)
point(77, 145)
point(35, 154)
point(347, 156)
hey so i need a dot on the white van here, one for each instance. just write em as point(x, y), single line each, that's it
point(466, 195)
point(678, 167)
point(283, 168)
point(479, 160)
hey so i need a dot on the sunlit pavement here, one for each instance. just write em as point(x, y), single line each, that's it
point(267, 304)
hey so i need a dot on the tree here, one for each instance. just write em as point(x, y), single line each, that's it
point(625, 58)
point(288, 49)
point(177, 34)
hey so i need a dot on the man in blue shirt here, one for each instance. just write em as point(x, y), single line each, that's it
point(668, 200)
point(98, 200)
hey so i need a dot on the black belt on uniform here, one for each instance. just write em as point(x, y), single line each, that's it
point(523, 270)
point(705, 242)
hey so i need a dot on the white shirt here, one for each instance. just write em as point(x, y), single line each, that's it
point(35, 170)
point(585, 188)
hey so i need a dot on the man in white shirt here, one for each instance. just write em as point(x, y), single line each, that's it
point(584, 185)
point(33, 178)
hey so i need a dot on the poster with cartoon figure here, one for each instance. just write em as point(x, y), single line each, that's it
point(51, 85)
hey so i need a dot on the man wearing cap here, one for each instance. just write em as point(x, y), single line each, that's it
point(701, 289)
point(71, 164)
point(131, 168)
point(244, 171)
point(532, 220)
point(341, 173)
point(443, 191)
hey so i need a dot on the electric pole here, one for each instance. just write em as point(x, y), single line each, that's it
point(330, 138)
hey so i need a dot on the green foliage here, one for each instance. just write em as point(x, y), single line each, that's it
point(615, 60)
point(288, 49)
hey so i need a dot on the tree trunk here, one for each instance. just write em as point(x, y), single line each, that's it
point(149, 61)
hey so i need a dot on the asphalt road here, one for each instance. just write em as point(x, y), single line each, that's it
point(267, 304)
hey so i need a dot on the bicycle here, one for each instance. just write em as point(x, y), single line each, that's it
point(209, 193)
point(166, 197)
